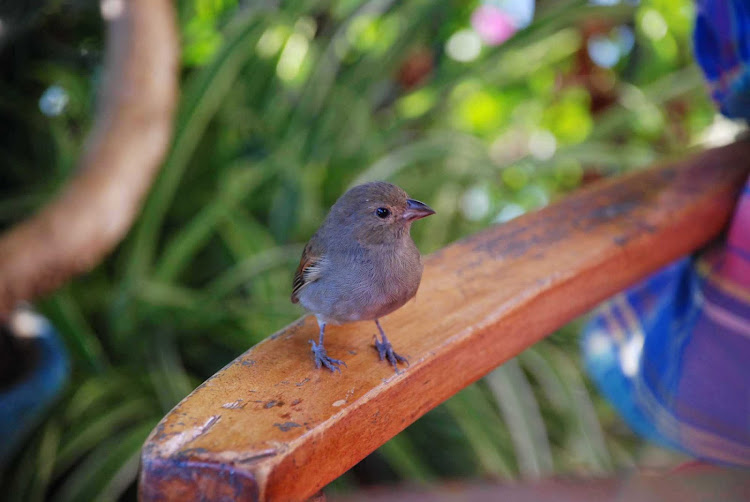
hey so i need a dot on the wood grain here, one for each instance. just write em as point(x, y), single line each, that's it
point(124, 149)
point(269, 426)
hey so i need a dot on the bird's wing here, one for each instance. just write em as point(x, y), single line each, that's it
point(309, 269)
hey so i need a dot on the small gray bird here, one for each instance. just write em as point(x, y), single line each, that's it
point(361, 264)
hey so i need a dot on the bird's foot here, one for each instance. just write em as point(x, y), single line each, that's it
point(385, 349)
point(322, 359)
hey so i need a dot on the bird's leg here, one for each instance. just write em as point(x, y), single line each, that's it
point(386, 350)
point(319, 352)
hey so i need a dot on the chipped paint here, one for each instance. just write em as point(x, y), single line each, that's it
point(228, 456)
point(257, 456)
point(286, 426)
point(182, 439)
point(342, 402)
point(234, 405)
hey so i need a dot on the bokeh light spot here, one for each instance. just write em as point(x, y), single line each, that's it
point(542, 144)
point(625, 39)
point(53, 101)
point(570, 119)
point(653, 24)
point(464, 46)
point(482, 111)
point(416, 103)
point(292, 57)
point(509, 212)
point(475, 203)
point(271, 41)
point(603, 51)
point(492, 25)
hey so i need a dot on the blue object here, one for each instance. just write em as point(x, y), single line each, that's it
point(613, 342)
point(671, 355)
point(23, 405)
point(722, 49)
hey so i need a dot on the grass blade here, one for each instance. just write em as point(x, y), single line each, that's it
point(66, 316)
point(203, 96)
point(520, 409)
point(94, 477)
point(474, 428)
point(183, 246)
point(400, 453)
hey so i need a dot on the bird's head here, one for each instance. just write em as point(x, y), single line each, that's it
point(378, 212)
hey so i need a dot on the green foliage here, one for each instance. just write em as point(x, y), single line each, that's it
point(283, 107)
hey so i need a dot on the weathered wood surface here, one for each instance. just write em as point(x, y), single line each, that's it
point(269, 426)
point(124, 150)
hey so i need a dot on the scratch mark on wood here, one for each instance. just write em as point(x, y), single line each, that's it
point(235, 405)
point(257, 456)
point(303, 382)
point(182, 439)
point(286, 426)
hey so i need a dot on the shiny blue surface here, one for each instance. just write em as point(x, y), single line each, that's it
point(23, 405)
point(721, 42)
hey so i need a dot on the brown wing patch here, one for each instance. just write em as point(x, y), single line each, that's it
point(308, 271)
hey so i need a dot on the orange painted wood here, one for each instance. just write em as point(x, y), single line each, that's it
point(269, 426)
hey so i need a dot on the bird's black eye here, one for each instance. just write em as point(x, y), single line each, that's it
point(382, 212)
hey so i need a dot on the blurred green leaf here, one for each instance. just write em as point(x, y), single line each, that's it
point(66, 316)
point(96, 478)
point(404, 459)
point(184, 245)
point(587, 442)
point(477, 422)
point(201, 98)
point(83, 435)
point(521, 412)
point(251, 267)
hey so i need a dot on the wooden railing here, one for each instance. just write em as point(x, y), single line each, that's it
point(269, 426)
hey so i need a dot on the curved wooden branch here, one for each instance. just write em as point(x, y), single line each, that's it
point(124, 150)
point(269, 426)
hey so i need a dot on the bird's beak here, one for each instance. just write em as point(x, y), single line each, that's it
point(416, 210)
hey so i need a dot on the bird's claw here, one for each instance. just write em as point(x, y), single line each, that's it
point(386, 350)
point(322, 358)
